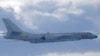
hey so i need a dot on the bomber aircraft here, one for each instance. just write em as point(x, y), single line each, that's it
point(14, 32)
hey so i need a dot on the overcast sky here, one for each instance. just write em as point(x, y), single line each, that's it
point(54, 16)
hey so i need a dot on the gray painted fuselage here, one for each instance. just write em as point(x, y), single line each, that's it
point(50, 37)
point(14, 32)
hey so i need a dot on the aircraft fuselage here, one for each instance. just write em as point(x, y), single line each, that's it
point(51, 37)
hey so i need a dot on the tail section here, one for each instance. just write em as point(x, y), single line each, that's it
point(11, 27)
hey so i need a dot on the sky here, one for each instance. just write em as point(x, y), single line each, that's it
point(54, 16)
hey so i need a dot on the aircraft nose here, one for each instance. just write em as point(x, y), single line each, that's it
point(96, 36)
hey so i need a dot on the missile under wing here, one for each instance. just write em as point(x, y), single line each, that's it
point(14, 32)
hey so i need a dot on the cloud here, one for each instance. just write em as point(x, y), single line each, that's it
point(73, 54)
point(94, 3)
point(67, 6)
point(6, 13)
point(96, 22)
point(33, 12)
point(9, 13)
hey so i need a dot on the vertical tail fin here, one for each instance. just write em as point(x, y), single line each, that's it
point(11, 27)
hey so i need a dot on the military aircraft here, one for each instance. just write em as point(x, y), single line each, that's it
point(14, 32)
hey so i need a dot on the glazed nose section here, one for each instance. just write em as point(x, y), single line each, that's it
point(95, 36)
